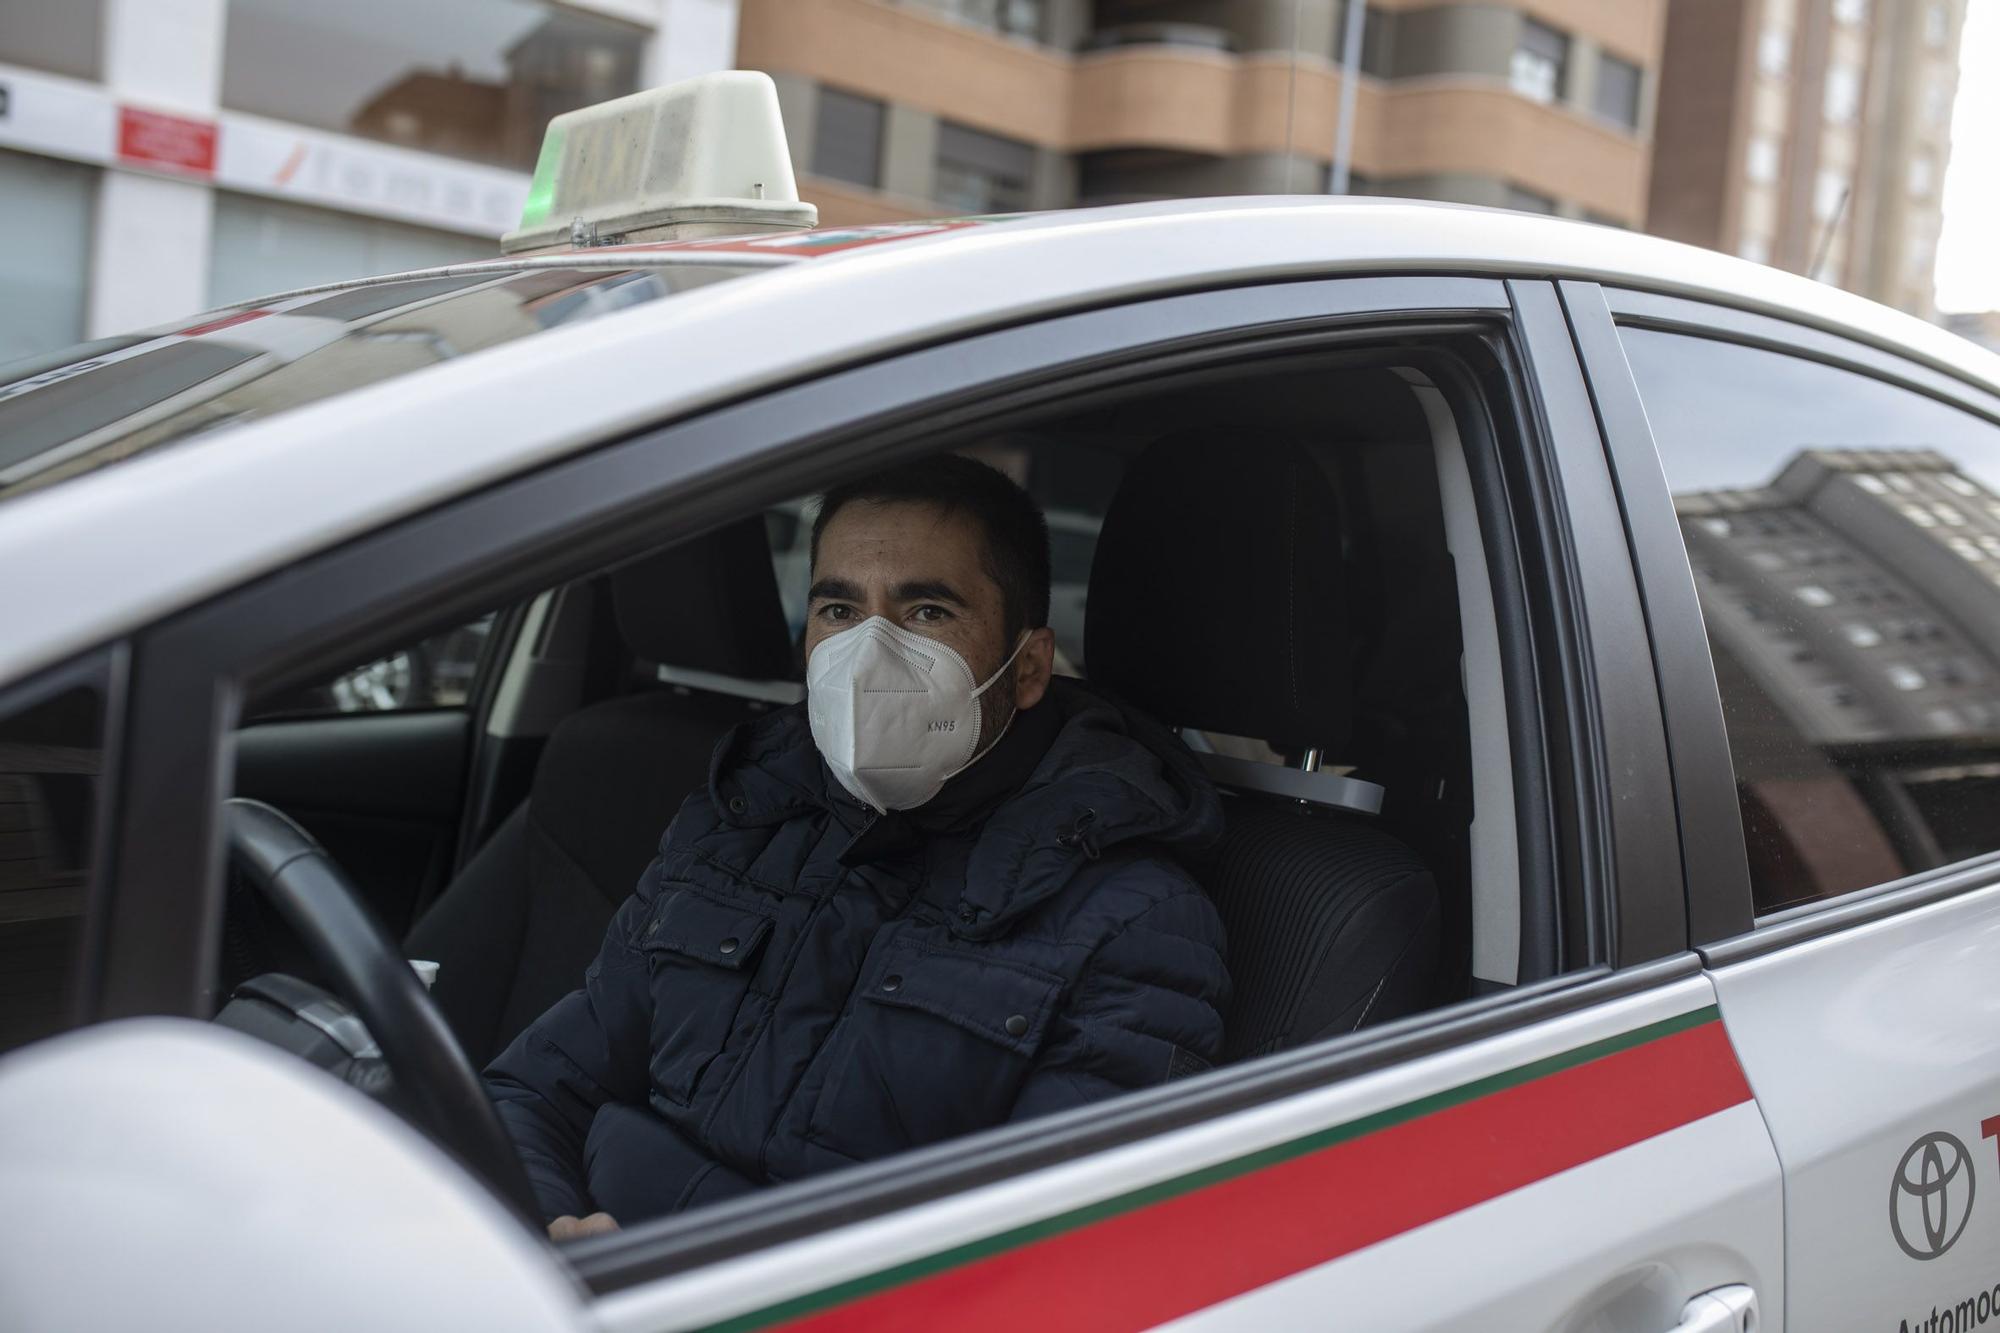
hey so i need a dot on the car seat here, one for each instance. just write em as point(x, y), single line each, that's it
point(513, 933)
point(1219, 603)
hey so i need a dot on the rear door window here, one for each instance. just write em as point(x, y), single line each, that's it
point(52, 744)
point(1844, 534)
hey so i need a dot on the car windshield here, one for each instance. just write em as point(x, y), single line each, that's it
point(74, 411)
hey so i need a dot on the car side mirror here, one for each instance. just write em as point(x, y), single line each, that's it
point(168, 1174)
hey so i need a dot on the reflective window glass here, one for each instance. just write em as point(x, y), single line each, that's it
point(1529, 201)
point(1843, 94)
point(1845, 539)
point(1617, 97)
point(1774, 52)
point(1937, 23)
point(51, 758)
point(64, 38)
point(1923, 175)
point(72, 412)
point(1016, 18)
point(1539, 61)
point(262, 246)
point(982, 173)
point(476, 79)
point(1761, 158)
point(847, 138)
point(44, 253)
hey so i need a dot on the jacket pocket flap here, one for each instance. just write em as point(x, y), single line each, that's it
point(1009, 1004)
point(720, 934)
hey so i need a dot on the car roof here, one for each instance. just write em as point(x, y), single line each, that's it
point(165, 530)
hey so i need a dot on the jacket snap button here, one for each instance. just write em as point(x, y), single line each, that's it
point(727, 946)
point(892, 982)
point(966, 913)
point(737, 805)
point(1017, 1026)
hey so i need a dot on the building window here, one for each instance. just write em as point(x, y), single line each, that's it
point(1756, 249)
point(1937, 103)
point(61, 38)
point(44, 253)
point(1774, 52)
point(1541, 57)
point(1617, 98)
point(982, 173)
point(1761, 159)
point(1829, 191)
point(1937, 24)
point(1527, 201)
point(1016, 18)
point(847, 138)
point(268, 245)
point(476, 79)
point(1922, 257)
point(1923, 176)
point(1843, 94)
point(1850, 11)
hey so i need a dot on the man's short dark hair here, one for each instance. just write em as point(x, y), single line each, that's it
point(1016, 551)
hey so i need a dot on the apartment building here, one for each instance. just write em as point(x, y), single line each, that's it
point(900, 108)
point(1810, 134)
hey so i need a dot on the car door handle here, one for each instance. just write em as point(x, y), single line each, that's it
point(1724, 1310)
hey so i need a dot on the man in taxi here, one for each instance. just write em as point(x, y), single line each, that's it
point(934, 897)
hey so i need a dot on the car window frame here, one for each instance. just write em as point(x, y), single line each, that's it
point(1724, 924)
point(583, 511)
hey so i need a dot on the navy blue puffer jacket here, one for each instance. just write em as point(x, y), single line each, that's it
point(798, 985)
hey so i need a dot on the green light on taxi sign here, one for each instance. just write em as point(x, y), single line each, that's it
point(702, 157)
point(542, 189)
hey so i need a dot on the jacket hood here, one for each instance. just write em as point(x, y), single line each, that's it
point(1112, 778)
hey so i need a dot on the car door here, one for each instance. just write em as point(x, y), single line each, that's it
point(1575, 1147)
point(1840, 512)
point(1586, 1154)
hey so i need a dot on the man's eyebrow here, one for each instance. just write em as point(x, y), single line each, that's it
point(928, 590)
point(836, 590)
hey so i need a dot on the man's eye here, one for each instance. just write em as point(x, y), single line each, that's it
point(930, 615)
point(836, 612)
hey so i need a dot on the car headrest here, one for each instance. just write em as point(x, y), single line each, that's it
point(1216, 594)
point(710, 604)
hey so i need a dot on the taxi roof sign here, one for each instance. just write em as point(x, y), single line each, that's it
point(703, 157)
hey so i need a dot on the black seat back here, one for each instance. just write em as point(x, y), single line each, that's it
point(1218, 601)
point(515, 930)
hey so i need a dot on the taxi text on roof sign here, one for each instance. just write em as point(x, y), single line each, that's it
point(705, 157)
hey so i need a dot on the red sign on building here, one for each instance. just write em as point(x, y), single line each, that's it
point(172, 143)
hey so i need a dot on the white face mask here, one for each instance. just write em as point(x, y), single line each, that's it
point(895, 715)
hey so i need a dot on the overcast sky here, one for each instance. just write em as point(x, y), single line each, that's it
point(1968, 271)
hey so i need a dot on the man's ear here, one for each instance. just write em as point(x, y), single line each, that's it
point(1033, 667)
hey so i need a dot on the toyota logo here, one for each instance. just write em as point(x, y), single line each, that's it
point(1930, 1199)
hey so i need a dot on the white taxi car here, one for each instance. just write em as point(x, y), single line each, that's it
point(1653, 602)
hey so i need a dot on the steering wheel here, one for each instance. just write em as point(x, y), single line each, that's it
point(313, 896)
